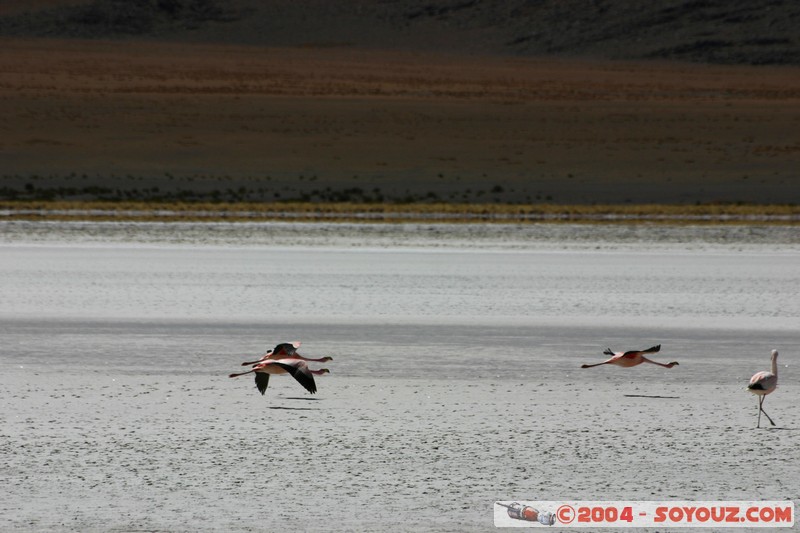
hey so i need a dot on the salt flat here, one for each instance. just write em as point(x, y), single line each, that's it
point(455, 379)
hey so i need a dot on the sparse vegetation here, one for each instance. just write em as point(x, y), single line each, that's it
point(399, 212)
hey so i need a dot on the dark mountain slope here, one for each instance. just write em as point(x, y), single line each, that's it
point(715, 31)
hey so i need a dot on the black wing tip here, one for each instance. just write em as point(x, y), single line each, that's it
point(654, 349)
point(756, 386)
point(262, 382)
point(303, 376)
point(309, 384)
point(608, 352)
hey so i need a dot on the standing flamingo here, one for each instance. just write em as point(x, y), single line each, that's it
point(763, 383)
point(286, 350)
point(296, 367)
point(632, 358)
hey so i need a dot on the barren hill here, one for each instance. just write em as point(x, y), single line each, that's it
point(714, 31)
point(516, 101)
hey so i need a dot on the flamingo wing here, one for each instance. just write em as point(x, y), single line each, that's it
point(299, 371)
point(262, 381)
point(763, 381)
point(284, 349)
point(272, 353)
point(652, 349)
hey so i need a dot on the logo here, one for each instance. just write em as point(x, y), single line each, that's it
point(644, 514)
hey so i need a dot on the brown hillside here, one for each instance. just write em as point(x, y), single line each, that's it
point(130, 119)
point(558, 101)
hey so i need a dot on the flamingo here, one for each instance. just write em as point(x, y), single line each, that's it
point(632, 358)
point(296, 367)
point(280, 351)
point(763, 383)
point(286, 350)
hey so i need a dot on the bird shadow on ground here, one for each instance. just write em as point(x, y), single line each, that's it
point(301, 398)
point(781, 429)
point(293, 408)
point(651, 396)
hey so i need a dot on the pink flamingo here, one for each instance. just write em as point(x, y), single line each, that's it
point(763, 383)
point(283, 350)
point(286, 350)
point(632, 358)
point(296, 367)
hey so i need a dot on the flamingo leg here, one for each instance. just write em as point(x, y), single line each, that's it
point(264, 358)
point(760, 400)
point(761, 410)
point(665, 365)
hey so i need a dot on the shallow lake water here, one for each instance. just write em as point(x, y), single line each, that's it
point(456, 377)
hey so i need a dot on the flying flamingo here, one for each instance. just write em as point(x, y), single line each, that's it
point(632, 358)
point(280, 351)
point(286, 350)
point(762, 383)
point(296, 367)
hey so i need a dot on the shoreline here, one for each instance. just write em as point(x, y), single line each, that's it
point(398, 213)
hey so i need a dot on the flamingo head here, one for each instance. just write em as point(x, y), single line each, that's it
point(327, 358)
point(324, 370)
point(673, 363)
point(774, 354)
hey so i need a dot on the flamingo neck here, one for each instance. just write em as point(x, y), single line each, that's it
point(775, 363)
